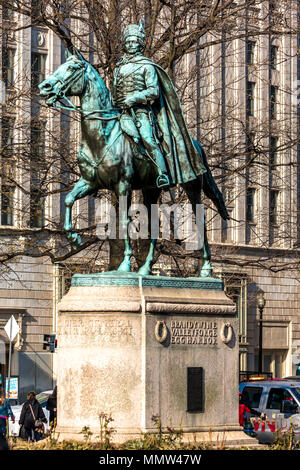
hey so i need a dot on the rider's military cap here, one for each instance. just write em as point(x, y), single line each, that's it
point(136, 30)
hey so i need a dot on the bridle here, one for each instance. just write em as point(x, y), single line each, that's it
point(61, 95)
point(65, 84)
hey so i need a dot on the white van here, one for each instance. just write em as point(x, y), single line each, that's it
point(279, 403)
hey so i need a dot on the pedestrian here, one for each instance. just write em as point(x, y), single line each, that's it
point(31, 413)
point(52, 407)
point(245, 411)
point(5, 413)
point(242, 410)
point(3, 443)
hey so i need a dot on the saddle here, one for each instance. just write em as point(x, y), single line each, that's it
point(128, 126)
point(129, 129)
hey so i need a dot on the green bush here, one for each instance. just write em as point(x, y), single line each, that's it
point(161, 439)
point(286, 441)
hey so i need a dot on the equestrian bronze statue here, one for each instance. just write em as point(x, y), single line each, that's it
point(135, 137)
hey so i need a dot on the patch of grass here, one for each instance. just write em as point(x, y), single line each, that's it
point(286, 441)
point(105, 431)
point(161, 439)
point(170, 439)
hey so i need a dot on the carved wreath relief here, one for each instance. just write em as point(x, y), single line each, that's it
point(226, 337)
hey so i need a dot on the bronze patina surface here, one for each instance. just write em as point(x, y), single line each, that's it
point(134, 138)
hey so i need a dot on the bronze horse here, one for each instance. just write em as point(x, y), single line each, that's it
point(106, 158)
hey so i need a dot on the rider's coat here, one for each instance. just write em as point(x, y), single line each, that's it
point(153, 93)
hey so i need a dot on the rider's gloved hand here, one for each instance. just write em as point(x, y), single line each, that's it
point(129, 101)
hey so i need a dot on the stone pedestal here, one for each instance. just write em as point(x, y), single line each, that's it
point(134, 347)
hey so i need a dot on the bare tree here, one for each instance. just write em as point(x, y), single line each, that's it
point(201, 44)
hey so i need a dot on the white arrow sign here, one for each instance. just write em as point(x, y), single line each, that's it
point(11, 328)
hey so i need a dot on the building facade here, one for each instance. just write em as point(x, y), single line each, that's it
point(245, 88)
point(28, 285)
point(259, 109)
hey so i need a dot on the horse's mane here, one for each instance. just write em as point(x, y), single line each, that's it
point(104, 94)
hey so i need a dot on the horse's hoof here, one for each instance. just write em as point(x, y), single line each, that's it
point(206, 270)
point(124, 267)
point(145, 270)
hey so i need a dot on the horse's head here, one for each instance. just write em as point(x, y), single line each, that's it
point(68, 80)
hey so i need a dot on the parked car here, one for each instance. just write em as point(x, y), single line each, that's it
point(279, 402)
point(16, 409)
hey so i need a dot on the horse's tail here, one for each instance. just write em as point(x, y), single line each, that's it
point(210, 187)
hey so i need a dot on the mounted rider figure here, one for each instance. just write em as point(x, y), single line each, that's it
point(151, 113)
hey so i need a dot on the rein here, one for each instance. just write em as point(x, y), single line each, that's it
point(85, 115)
point(62, 96)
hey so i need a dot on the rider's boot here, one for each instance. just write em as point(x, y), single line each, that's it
point(163, 178)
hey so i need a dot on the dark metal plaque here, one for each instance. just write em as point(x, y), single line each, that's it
point(195, 389)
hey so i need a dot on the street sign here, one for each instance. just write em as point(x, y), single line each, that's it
point(13, 387)
point(50, 342)
point(11, 328)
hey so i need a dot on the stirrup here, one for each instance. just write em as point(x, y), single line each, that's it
point(162, 180)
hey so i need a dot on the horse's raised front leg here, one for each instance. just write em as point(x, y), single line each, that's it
point(81, 189)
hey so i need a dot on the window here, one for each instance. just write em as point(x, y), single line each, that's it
point(250, 147)
point(250, 48)
point(250, 205)
point(250, 138)
point(38, 141)
point(38, 66)
point(274, 195)
point(91, 210)
point(251, 168)
point(37, 209)
point(7, 137)
point(273, 151)
point(7, 205)
point(273, 101)
point(251, 396)
point(35, 8)
point(272, 6)
point(8, 63)
point(273, 57)
point(225, 234)
point(37, 199)
point(226, 227)
point(7, 13)
point(276, 397)
point(296, 391)
point(274, 361)
point(250, 99)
